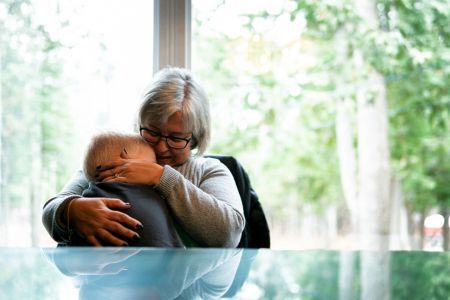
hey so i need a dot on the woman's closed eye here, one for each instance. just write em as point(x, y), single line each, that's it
point(153, 133)
point(176, 139)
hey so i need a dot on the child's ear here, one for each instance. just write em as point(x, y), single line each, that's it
point(124, 153)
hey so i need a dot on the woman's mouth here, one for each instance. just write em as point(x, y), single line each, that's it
point(163, 158)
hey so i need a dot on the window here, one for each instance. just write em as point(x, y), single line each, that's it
point(68, 69)
point(339, 112)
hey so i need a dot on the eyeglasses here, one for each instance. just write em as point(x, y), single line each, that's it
point(173, 142)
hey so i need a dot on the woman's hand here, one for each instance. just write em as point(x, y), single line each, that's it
point(98, 221)
point(137, 171)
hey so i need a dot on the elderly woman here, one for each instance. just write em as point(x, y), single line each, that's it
point(201, 193)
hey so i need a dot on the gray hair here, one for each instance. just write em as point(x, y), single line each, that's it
point(175, 90)
point(107, 146)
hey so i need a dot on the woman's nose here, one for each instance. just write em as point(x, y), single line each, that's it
point(161, 145)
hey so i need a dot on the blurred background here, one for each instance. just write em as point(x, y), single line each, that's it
point(338, 110)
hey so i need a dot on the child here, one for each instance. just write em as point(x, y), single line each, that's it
point(146, 205)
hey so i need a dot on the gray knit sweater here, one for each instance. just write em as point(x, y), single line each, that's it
point(201, 193)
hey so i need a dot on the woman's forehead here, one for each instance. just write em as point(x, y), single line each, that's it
point(175, 123)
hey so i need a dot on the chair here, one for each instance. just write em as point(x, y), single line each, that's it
point(256, 233)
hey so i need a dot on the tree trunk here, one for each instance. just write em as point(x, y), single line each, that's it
point(399, 235)
point(36, 188)
point(3, 212)
point(330, 233)
point(422, 231)
point(375, 275)
point(345, 136)
point(36, 173)
point(347, 160)
point(414, 229)
point(346, 274)
point(374, 170)
point(374, 177)
point(445, 211)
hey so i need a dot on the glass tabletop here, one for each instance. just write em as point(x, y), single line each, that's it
point(155, 273)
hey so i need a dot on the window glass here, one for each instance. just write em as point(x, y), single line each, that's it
point(68, 70)
point(338, 111)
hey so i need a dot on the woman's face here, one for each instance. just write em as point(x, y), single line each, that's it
point(174, 127)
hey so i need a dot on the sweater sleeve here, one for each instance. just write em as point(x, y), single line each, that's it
point(205, 201)
point(53, 207)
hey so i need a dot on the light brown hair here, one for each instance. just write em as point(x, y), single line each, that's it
point(107, 146)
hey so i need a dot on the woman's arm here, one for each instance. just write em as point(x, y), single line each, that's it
point(94, 219)
point(204, 198)
point(53, 208)
point(201, 193)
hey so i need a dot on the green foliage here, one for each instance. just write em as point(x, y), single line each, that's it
point(270, 125)
point(420, 104)
point(304, 275)
point(420, 275)
point(410, 47)
point(324, 18)
point(273, 99)
point(280, 96)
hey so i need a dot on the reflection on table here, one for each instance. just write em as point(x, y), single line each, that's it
point(149, 273)
point(133, 273)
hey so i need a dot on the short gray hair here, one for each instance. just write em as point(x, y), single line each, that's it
point(175, 90)
point(107, 146)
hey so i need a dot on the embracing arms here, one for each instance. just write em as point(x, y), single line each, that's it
point(95, 219)
point(204, 198)
point(201, 194)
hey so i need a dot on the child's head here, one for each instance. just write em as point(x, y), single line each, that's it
point(106, 147)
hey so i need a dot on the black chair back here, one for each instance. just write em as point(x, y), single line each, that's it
point(256, 233)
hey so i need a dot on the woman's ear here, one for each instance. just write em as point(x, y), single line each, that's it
point(193, 142)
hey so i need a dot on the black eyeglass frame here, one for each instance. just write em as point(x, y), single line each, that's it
point(155, 133)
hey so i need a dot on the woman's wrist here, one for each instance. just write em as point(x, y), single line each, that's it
point(68, 219)
point(157, 173)
point(63, 217)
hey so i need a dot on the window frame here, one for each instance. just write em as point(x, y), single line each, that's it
point(172, 34)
